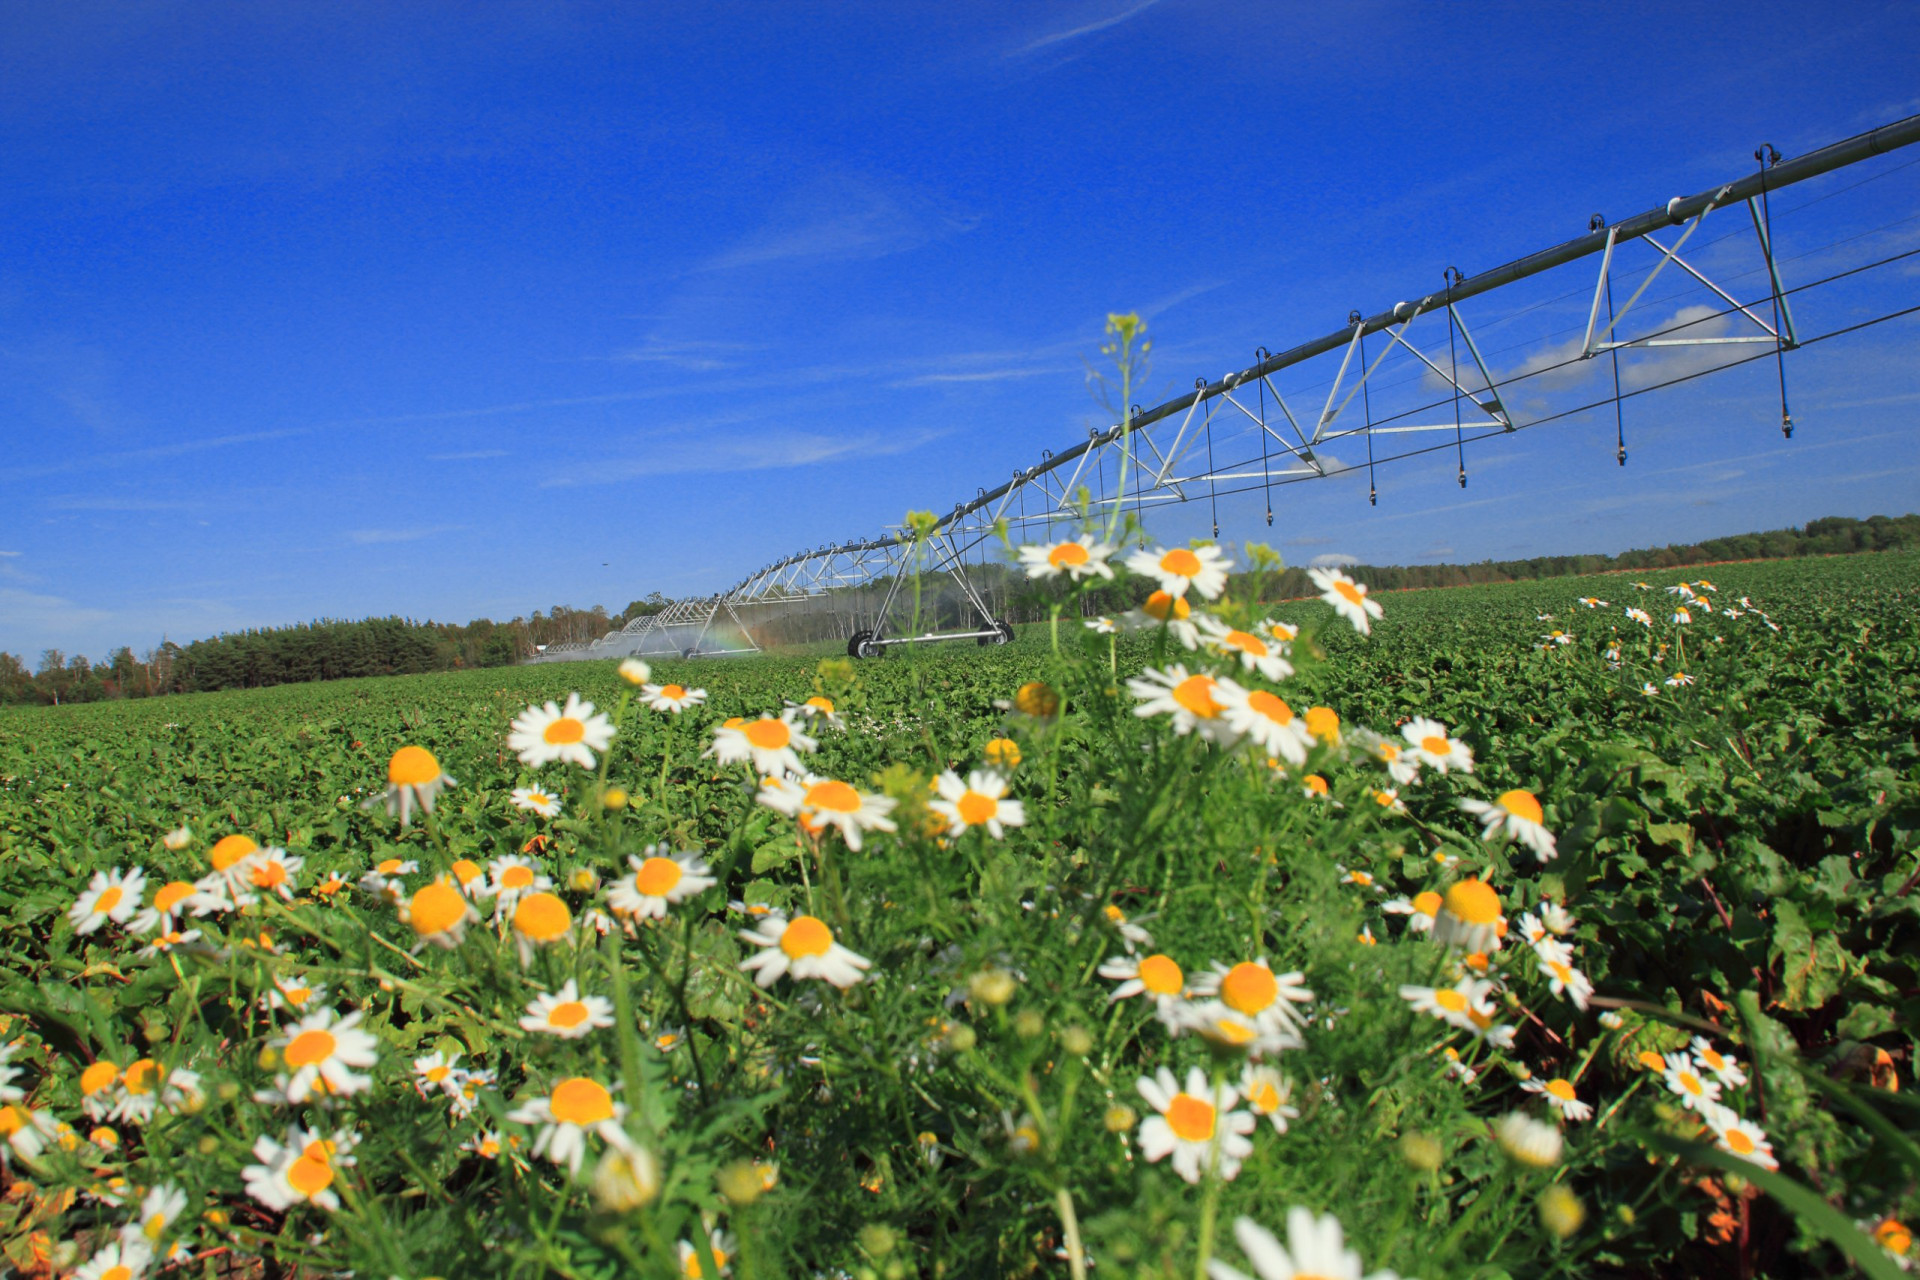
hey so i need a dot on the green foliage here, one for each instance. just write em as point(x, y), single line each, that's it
point(1738, 855)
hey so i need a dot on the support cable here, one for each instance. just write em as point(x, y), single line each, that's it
point(1213, 498)
point(1452, 276)
point(1261, 355)
point(1366, 407)
point(1768, 157)
point(1598, 222)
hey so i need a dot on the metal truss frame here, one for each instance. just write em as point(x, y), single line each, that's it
point(1158, 451)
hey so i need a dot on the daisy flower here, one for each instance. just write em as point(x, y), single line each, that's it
point(511, 877)
point(1254, 989)
point(1081, 558)
point(1230, 1031)
point(1528, 1141)
point(1469, 917)
point(1649, 690)
point(1560, 1096)
point(1101, 625)
point(1002, 754)
point(1421, 910)
point(293, 993)
point(1518, 815)
point(722, 1247)
point(567, 1014)
point(466, 872)
point(1253, 652)
point(1683, 1078)
point(1163, 610)
point(95, 1080)
point(1195, 1125)
point(1680, 615)
point(575, 1107)
point(325, 1047)
point(160, 1208)
point(464, 1094)
point(171, 901)
point(539, 920)
point(1193, 700)
point(1324, 724)
point(818, 708)
point(413, 778)
point(1556, 638)
point(805, 948)
point(1402, 765)
point(1724, 1069)
point(228, 850)
point(536, 800)
point(1430, 743)
point(436, 1073)
point(147, 1086)
point(1567, 981)
point(1640, 616)
point(1156, 976)
point(671, 698)
point(1592, 602)
point(822, 802)
point(1677, 680)
point(384, 876)
point(1348, 598)
point(770, 745)
point(487, 1145)
point(111, 896)
point(274, 870)
point(1742, 1138)
point(1316, 1249)
point(656, 882)
point(1204, 569)
point(542, 735)
point(1270, 1095)
point(301, 1171)
point(126, 1258)
point(1555, 917)
point(24, 1130)
point(977, 802)
point(1130, 932)
point(1265, 718)
point(1362, 878)
point(438, 914)
point(1453, 1005)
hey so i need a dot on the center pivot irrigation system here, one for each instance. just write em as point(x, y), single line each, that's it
point(1173, 452)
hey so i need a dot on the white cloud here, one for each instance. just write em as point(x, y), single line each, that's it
point(372, 537)
point(736, 453)
point(1333, 560)
point(11, 553)
point(839, 217)
point(1084, 29)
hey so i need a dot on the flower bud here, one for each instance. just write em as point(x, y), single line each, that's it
point(1120, 1118)
point(614, 798)
point(1421, 1151)
point(991, 986)
point(961, 1038)
point(1031, 1024)
point(635, 672)
point(626, 1178)
point(740, 1183)
point(1077, 1041)
point(1561, 1212)
point(877, 1239)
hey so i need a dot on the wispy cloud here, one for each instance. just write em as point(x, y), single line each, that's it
point(1084, 29)
point(695, 357)
point(735, 454)
point(843, 217)
point(12, 553)
point(1333, 560)
point(107, 502)
point(370, 537)
point(981, 375)
point(153, 454)
point(471, 455)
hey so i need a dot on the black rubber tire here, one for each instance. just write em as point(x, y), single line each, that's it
point(1006, 631)
point(861, 645)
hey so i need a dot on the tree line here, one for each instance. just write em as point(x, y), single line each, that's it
point(334, 650)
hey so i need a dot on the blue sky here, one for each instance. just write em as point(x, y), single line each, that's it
point(459, 310)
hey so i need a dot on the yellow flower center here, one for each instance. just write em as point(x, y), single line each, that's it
point(11, 1121)
point(1450, 1000)
point(172, 894)
point(109, 899)
point(436, 908)
point(389, 866)
point(541, 917)
point(1435, 746)
point(1067, 554)
point(120, 1272)
point(975, 808)
point(1160, 605)
point(1689, 1082)
point(1162, 976)
point(1249, 988)
point(1427, 904)
point(516, 876)
point(154, 1227)
point(1351, 592)
point(1316, 784)
point(673, 692)
point(1264, 1098)
point(1712, 1059)
point(836, 797)
point(1035, 698)
point(270, 875)
point(1651, 1060)
point(768, 734)
point(570, 1014)
point(436, 1074)
point(98, 1076)
point(1190, 1118)
point(1246, 643)
point(1522, 804)
point(1195, 694)
point(310, 1175)
point(1561, 1089)
point(657, 877)
point(1894, 1237)
point(564, 731)
point(466, 869)
point(1563, 972)
point(1004, 752)
point(140, 1076)
point(818, 703)
point(310, 1047)
point(1473, 902)
point(412, 767)
point(1739, 1143)
point(296, 996)
point(1180, 561)
point(1323, 723)
point(1272, 706)
point(229, 850)
point(806, 936)
point(580, 1101)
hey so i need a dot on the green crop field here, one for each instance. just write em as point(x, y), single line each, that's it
point(1085, 955)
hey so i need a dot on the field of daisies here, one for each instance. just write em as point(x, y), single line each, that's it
point(1561, 928)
